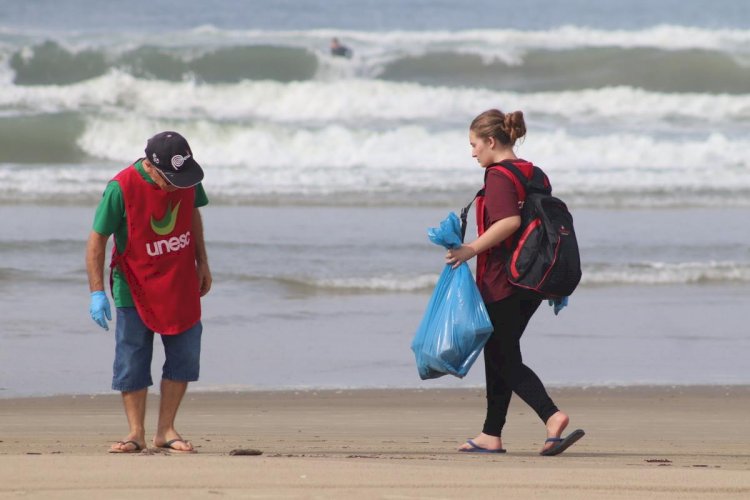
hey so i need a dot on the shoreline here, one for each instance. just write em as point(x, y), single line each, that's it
point(268, 391)
point(644, 442)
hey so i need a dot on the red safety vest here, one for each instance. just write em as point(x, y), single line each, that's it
point(526, 168)
point(158, 261)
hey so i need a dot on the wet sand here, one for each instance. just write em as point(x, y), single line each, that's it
point(641, 442)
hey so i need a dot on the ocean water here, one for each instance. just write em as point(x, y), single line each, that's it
point(324, 174)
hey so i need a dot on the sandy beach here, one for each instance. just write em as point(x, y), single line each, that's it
point(324, 175)
point(641, 442)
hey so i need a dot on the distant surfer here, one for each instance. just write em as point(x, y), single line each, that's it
point(340, 50)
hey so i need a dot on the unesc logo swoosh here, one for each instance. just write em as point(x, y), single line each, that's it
point(165, 225)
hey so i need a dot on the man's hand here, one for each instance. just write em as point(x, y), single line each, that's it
point(99, 309)
point(204, 278)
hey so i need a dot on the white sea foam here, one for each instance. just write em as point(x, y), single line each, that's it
point(645, 273)
point(359, 135)
point(348, 101)
point(411, 155)
point(266, 158)
point(639, 273)
point(262, 159)
point(391, 283)
point(664, 273)
point(506, 45)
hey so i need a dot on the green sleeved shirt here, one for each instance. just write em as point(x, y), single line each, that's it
point(110, 218)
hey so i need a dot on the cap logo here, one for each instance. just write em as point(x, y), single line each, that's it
point(178, 161)
point(156, 158)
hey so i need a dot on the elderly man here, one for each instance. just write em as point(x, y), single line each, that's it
point(159, 271)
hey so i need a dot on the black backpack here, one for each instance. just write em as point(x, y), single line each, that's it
point(544, 260)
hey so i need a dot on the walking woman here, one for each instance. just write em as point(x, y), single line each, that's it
point(492, 136)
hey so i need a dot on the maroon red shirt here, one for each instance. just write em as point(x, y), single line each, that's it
point(501, 200)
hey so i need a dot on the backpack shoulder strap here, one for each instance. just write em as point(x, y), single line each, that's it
point(465, 213)
point(538, 182)
point(522, 179)
point(508, 165)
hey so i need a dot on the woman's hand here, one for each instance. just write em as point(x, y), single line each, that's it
point(459, 255)
point(496, 233)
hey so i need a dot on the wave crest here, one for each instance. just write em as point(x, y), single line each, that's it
point(662, 58)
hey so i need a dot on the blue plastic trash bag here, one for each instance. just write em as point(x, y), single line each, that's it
point(455, 325)
point(448, 234)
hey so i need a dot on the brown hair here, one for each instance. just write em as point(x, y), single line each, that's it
point(506, 128)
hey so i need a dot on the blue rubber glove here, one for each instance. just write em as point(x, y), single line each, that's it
point(99, 309)
point(558, 304)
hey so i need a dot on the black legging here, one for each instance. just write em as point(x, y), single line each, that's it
point(504, 368)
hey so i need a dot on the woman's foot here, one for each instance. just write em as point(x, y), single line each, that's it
point(556, 424)
point(483, 441)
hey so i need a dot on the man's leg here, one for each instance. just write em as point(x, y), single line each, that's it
point(171, 396)
point(135, 409)
point(132, 375)
point(181, 365)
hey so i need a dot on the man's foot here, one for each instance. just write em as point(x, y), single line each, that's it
point(484, 442)
point(177, 444)
point(556, 424)
point(127, 446)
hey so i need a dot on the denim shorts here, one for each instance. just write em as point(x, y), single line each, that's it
point(134, 350)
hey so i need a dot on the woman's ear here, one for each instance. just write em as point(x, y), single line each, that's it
point(491, 142)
